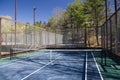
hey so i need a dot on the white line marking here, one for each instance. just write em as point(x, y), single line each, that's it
point(97, 67)
point(86, 66)
point(38, 69)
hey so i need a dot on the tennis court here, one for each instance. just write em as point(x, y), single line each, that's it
point(52, 65)
point(80, 42)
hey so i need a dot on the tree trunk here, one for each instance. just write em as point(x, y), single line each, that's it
point(96, 27)
point(96, 30)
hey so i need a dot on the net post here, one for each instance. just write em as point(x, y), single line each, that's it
point(102, 52)
point(50, 55)
point(11, 53)
point(105, 57)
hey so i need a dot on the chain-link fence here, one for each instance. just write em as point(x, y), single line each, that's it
point(26, 36)
point(111, 33)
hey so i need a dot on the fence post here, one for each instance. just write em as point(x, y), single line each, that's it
point(111, 35)
point(0, 37)
point(106, 25)
point(116, 32)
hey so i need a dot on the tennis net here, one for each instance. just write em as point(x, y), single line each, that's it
point(63, 55)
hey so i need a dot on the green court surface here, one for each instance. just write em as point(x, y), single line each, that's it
point(21, 56)
point(111, 71)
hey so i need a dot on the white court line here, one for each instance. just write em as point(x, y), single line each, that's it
point(97, 67)
point(38, 69)
point(86, 66)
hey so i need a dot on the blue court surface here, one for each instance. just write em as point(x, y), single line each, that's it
point(52, 65)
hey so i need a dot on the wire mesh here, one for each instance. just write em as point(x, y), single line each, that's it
point(110, 33)
point(30, 37)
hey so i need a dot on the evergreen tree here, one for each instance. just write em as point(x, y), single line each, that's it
point(96, 11)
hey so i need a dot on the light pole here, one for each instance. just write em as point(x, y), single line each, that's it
point(15, 18)
point(34, 15)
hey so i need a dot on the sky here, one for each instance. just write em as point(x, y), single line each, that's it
point(44, 9)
